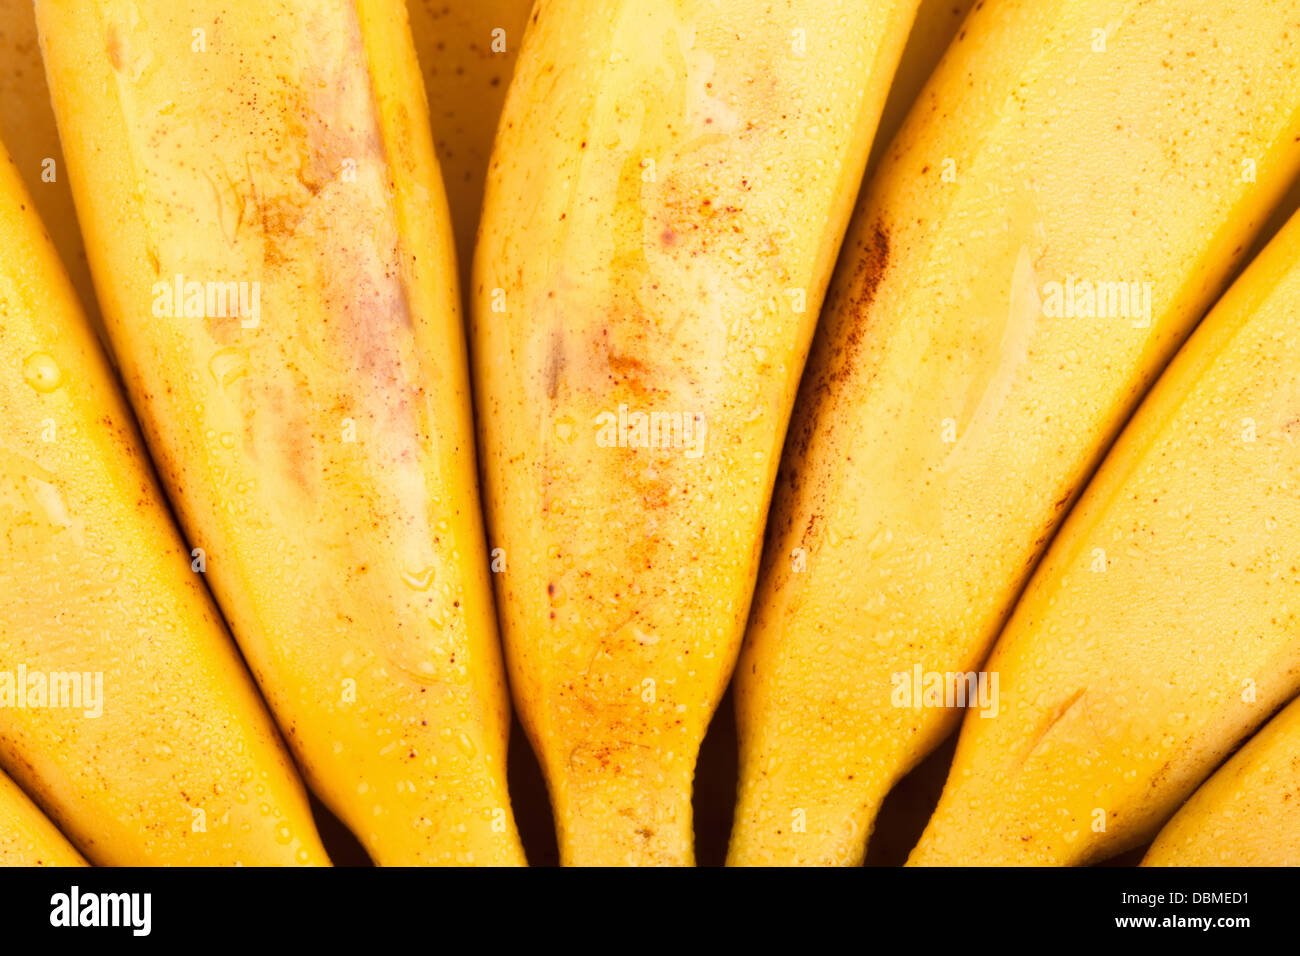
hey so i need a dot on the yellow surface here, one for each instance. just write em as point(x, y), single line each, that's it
point(27, 128)
point(1161, 628)
point(1248, 813)
point(27, 838)
point(467, 51)
point(947, 419)
point(319, 451)
point(173, 760)
point(937, 23)
point(670, 186)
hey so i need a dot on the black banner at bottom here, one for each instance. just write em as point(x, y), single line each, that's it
point(335, 906)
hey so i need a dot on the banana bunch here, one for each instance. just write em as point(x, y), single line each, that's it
point(374, 374)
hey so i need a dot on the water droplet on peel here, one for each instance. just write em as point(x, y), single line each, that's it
point(466, 745)
point(42, 372)
point(419, 580)
point(564, 429)
point(283, 834)
point(645, 637)
point(227, 366)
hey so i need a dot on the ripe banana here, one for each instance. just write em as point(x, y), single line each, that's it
point(937, 22)
point(467, 52)
point(1161, 627)
point(665, 202)
point(965, 378)
point(1248, 813)
point(27, 838)
point(269, 232)
point(124, 708)
point(27, 127)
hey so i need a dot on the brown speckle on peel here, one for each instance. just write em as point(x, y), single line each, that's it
point(870, 270)
point(810, 532)
point(847, 319)
point(629, 370)
point(554, 364)
point(834, 358)
point(113, 46)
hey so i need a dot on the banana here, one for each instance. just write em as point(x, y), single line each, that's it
point(937, 22)
point(269, 232)
point(965, 381)
point(467, 52)
point(667, 195)
point(124, 708)
point(1161, 628)
point(27, 128)
point(1248, 813)
point(27, 838)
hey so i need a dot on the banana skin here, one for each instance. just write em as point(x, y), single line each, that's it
point(27, 838)
point(124, 708)
point(1248, 813)
point(667, 195)
point(27, 127)
point(963, 385)
point(315, 437)
point(1161, 628)
point(936, 24)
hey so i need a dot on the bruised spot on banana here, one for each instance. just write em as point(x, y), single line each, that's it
point(1027, 257)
